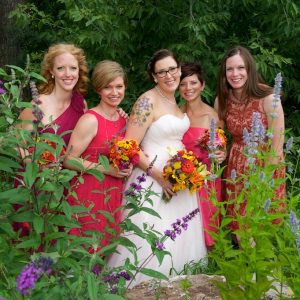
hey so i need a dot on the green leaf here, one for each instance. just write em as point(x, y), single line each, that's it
point(16, 68)
point(25, 216)
point(37, 76)
point(7, 228)
point(92, 285)
point(32, 243)
point(150, 211)
point(76, 164)
point(38, 224)
point(107, 215)
point(7, 164)
point(153, 273)
point(30, 174)
point(103, 160)
point(96, 173)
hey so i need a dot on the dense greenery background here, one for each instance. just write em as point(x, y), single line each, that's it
point(130, 31)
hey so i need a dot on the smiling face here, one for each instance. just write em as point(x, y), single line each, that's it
point(236, 73)
point(170, 82)
point(190, 88)
point(114, 92)
point(65, 71)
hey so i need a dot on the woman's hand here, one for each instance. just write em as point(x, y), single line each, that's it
point(220, 155)
point(122, 113)
point(119, 173)
point(165, 184)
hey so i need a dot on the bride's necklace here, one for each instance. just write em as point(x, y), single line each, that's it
point(164, 96)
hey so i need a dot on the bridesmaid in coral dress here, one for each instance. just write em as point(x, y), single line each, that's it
point(90, 139)
point(200, 115)
point(241, 92)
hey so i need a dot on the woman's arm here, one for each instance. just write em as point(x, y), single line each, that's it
point(141, 117)
point(275, 117)
point(82, 135)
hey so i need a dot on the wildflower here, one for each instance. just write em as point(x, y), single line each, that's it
point(96, 269)
point(262, 176)
point(31, 273)
point(289, 145)
point(159, 245)
point(183, 223)
point(246, 136)
point(113, 279)
point(149, 169)
point(294, 222)
point(233, 174)
point(2, 90)
point(277, 89)
point(267, 204)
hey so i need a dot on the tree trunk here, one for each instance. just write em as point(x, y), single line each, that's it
point(10, 51)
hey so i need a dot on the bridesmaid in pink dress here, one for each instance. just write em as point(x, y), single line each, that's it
point(91, 138)
point(200, 115)
point(240, 93)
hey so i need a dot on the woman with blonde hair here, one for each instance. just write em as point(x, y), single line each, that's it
point(90, 139)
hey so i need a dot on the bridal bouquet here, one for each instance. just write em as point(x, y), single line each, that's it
point(184, 171)
point(124, 152)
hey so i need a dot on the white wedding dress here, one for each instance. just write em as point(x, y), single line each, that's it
point(189, 246)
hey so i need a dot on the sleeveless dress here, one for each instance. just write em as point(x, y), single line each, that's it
point(189, 246)
point(210, 216)
point(105, 195)
point(238, 117)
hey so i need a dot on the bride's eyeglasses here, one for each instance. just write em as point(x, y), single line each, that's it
point(163, 73)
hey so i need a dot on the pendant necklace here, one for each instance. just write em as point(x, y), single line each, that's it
point(165, 97)
point(110, 118)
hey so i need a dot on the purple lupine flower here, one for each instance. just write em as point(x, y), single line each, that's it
point(159, 245)
point(96, 269)
point(298, 242)
point(267, 204)
point(289, 145)
point(246, 136)
point(277, 89)
point(294, 222)
point(125, 275)
point(233, 174)
point(212, 135)
point(262, 176)
point(149, 169)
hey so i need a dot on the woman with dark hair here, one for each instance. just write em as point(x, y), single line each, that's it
point(157, 123)
point(201, 115)
point(241, 92)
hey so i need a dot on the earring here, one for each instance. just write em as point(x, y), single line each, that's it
point(179, 74)
point(155, 80)
point(52, 76)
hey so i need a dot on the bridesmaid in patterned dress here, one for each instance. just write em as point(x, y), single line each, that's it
point(241, 92)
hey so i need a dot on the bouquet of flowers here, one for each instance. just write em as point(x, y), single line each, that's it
point(48, 156)
point(124, 152)
point(213, 142)
point(184, 171)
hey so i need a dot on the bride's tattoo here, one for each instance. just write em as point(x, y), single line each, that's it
point(141, 111)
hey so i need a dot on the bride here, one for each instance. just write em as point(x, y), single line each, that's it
point(157, 123)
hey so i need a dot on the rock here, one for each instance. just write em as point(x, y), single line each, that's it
point(193, 287)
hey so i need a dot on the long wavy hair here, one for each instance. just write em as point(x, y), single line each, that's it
point(255, 86)
point(48, 63)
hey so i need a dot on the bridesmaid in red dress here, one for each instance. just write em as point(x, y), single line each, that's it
point(91, 138)
point(200, 115)
point(240, 93)
point(61, 98)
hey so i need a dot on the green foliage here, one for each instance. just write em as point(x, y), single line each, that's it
point(130, 31)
